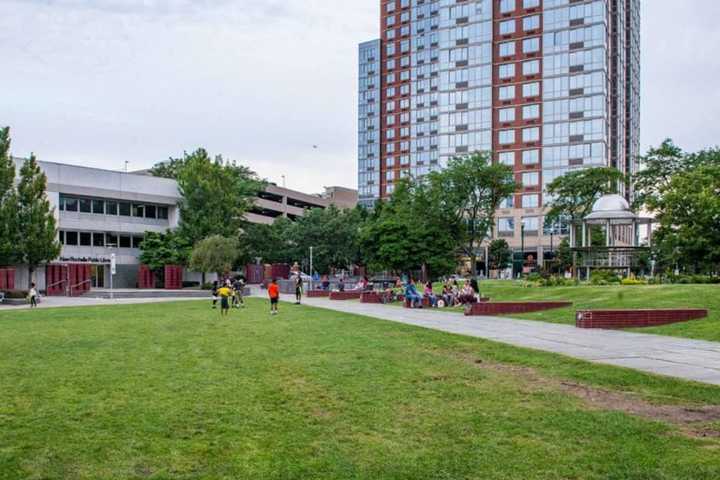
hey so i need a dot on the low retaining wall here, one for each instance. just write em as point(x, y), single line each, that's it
point(317, 293)
point(504, 308)
point(370, 297)
point(345, 295)
point(614, 319)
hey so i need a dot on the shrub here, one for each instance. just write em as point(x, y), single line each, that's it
point(15, 293)
point(604, 277)
point(633, 281)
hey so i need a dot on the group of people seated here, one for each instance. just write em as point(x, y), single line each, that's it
point(452, 294)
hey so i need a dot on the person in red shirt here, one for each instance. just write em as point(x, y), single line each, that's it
point(274, 293)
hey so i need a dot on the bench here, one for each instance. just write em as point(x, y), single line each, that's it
point(2, 297)
point(505, 308)
point(317, 293)
point(615, 319)
point(346, 295)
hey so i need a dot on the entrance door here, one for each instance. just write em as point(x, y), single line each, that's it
point(97, 274)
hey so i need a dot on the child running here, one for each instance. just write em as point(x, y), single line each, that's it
point(298, 289)
point(224, 293)
point(32, 295)
point(274, 294)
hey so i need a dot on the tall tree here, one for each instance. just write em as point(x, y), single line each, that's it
point(160, 249)
point(573, 194)
point(37, 242)
point(658, 166)
point(499, 253)
point(472, 188)
point(215, 196)
point(270, 243)
point(8, 202)
point(214, 254)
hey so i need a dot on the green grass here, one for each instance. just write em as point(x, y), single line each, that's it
point(619, 296)
point(173, 391)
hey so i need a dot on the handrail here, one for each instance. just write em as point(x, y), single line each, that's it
point(72, 287)
point(54, 284)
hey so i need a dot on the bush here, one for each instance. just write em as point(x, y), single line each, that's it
point(633, 281)
point(559, 282)
point(692, 279)
point(16, 293)
point(604, 277)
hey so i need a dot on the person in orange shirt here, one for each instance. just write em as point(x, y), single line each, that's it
point(274, 293)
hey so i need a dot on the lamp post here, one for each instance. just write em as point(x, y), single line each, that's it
point(311, 268)
point(522, 247)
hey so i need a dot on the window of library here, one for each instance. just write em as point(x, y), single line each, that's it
point(61, 237)
point(138, 210)
point(111, 239)
point(71, 238)
point(124, 209)
point(162, 213)
point(136, 242)
point(125, 241)
point(85, 205)
point(98, 239)
point(71, 204)
point(85, 239)
point(111, 208)
point(150, 211)
point(98, 206)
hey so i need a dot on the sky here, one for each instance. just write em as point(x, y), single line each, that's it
point(271, 84)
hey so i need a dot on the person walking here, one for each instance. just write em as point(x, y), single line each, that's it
point(298, 289)
point(214, 293)
point(32, 296)
point(238, 287)
point(274, 294)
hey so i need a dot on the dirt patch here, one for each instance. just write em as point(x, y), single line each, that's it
point(693, 421)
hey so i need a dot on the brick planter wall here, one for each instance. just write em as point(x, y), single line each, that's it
point(317, 293)
point(613, 319)
point(370, 297)
point(503, 308)
point(345, 295)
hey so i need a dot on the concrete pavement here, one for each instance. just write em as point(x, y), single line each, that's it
point(675, 357)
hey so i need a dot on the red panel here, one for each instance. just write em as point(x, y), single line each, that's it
point(280, 270)
point(317, 293)
point(614, 319)
point(7, 278)
point(56, 279)
point(503, 308)
point(350, 295)
point(173, 277)
point(146, 277)
point(254, 273)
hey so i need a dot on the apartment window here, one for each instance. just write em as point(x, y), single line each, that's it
point(531, 67)
point(390, 120)
point(506, 93)
point(530, 201)
point(531, 157)
point(98, 239)
point(506, 225)
point(530, 112)
point(71, 238)
point(507, 114)
point(390, 134)
point(530, 179)
point(507, 6)
point(531, 23)
point(85, 205)
point(531, 3)
point(507, 70)
point(390, 7)
point(507, 49)
point(531, 134)
point(98, 206)
point(390, 49)
point(85, 239)
point(531, 89)
point(531, 45)
point(124, 209)
point(531, 224)
point(507, 202)
point(506, 137)
point(507, 27)
point(507, 158)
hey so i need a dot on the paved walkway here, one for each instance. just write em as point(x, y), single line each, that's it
point(676, 357)
point(58, 302)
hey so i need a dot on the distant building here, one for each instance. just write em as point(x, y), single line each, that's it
point(548, 86)
point(276, 202)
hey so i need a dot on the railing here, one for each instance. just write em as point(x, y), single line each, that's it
point(73, 287)
point(53, 285)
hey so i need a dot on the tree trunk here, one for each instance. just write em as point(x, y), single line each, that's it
point(31, 273)
point(473, 264)
point(202, 281)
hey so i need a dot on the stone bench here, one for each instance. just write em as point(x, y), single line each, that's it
point(505, 308)
point(615, 319)
point(371, 297)
point(317, 293)
point(346, 295)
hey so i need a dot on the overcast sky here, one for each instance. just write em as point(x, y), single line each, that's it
point(101, 82)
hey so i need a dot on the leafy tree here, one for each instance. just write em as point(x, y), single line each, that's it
point(564, 255)
point(573, 194)
point(688, 211)
point(215, 196)
point(471, 189)
point(270, 243)
point(499, 253)
point(37, 242)
point(161, 249)
point(8, 202)
point(214, 254)
point(657, 168)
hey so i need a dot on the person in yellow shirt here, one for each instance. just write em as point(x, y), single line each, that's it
point(224, 293)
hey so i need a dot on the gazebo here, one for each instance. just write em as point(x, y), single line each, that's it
point(621, 250)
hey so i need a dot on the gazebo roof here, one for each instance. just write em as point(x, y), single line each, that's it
point(613, 208)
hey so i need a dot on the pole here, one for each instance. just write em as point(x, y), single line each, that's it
point(311, 261)
point(112, 274)
point(522, 248)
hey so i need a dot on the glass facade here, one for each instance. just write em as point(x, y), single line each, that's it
point(548, 86)
point(369, 123)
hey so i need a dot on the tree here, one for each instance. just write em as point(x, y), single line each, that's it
point(573, 194)
point(215, 196)
point(688, 211)
point(471, 189)
point(37, 242)
point(270, 243)
point(564, 256)
point(8, 202)
point(214, 254)
point(161, 249)
point(499, 253)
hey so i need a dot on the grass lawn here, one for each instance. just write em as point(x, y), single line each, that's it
point(618, 296)
point(173, 391)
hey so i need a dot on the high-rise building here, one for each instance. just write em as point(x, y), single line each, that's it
point(547, 85)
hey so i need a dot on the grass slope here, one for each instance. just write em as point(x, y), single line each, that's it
point(619, 296)
point(173, 391)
